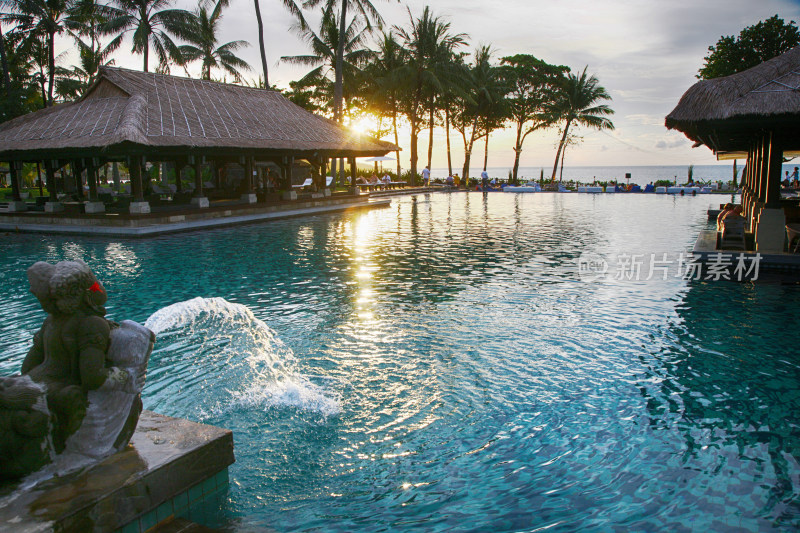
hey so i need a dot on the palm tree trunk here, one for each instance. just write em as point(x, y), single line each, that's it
point(447, 136)
point(42, 83)
point(560, 147)
point(561, 172)
point(146, 51)
point(338, 86)
point(4, 61)
point(396, 142)
point(486, 152)
point(51, 66)
point(414, 155)
point(430, 135)
point(517, 153)
point(261, 44)
point(468, 151)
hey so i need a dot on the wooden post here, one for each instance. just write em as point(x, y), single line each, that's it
point(772, 196)
point(764, 168)
point(50, 176)
point(39, 176)
point(352, 161)
point(137, 191)
point(77, 177)
point(198, 178)
point(91, 177)
point(15, 169)
point(179, 164)
point(248, 174)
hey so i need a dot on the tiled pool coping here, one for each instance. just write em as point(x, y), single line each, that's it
point(159, 224)
point(170, 466)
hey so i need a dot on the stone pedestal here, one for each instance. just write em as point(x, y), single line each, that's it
point(94, 207)
point(289, 195)
point(139, 208)
point(316, 195)
point(53, 207)
point(171, 468)
point(15, 207)
point(249, 198)
point(200, 201)
point(326, 192)
point(770, 231)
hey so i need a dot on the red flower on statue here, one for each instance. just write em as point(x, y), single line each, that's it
point(96, 287)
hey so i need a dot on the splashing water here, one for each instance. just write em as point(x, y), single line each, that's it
point(234, 358)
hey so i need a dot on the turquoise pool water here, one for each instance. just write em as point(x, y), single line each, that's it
point(440, 365)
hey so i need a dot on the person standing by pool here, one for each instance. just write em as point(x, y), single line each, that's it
point(795, 175)
point(484, 179)
point(426, 175)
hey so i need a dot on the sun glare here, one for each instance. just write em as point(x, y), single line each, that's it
point(363, 125)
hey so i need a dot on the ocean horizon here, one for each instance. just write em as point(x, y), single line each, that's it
point(641, 174)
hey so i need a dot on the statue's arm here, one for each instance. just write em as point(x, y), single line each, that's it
point(35, 355)
point(93, 341)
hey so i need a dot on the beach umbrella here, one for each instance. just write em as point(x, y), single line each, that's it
point(379, 159)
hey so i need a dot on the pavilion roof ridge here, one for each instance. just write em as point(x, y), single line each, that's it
point(170, 114)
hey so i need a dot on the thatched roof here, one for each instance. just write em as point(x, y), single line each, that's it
point(723, 113)
point(127, 112)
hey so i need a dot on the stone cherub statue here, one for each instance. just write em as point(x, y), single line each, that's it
point(79, 392)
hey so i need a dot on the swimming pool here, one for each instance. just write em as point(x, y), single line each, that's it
point(441, 364)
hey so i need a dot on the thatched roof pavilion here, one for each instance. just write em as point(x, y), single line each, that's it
point(753, 114)
point(135, 116)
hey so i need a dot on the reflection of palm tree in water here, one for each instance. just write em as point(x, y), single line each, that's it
point(728, 377)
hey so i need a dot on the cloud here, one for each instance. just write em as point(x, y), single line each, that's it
point(646, 120)
point(678, 143)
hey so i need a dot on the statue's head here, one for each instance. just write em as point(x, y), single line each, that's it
point(67, 287)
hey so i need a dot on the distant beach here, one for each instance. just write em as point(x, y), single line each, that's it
point(639, 174)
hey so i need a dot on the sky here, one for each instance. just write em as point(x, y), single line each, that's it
point(646, 53)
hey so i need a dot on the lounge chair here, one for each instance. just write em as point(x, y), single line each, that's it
point(733, 234)
point(303, 185)
point(793, 236)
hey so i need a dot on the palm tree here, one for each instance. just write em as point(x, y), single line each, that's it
point(480, 106)
point(532, 84)
point(429, 68)
point(4, 65)
point(39, 19)
point(323, 53)
point(87, 19)
point(370, 16)
point(22, 82)
point(578, 104)
point(382, 82)
point(294, 10)
point(151, 23)
point(203, 44)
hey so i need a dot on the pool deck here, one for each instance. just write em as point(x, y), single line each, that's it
point(706, 251)
point(176, 219)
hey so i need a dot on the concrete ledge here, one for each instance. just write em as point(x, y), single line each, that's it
point(94, 207)
point(289, 195)
point(249, 198)
point(170, 464)
point(15, 207)
point(108, 225)
point(200, 201)
point(53, 207)
point(139, 208)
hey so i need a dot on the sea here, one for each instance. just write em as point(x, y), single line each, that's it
point(641, 175)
